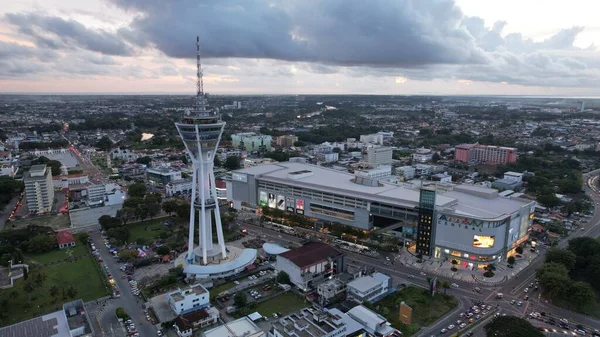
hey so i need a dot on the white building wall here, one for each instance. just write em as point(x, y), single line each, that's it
point(283, 264)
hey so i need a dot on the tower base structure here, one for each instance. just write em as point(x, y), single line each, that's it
point(236, 262)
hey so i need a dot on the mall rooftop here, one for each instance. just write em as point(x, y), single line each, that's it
point(462, 200)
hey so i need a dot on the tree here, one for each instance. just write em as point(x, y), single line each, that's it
point(107, 222)
point(71, 292)
point(511, 326)
point(217, 161)
point(83, 238)
point(232, 163)
point(444, 285)
point(581, 295)
point(54, 292)
point(144, 160)
point(119, 234)
point(128, 255)
point(519, 250)
point(511, 260)
point(120, 313)
point(29, 287)
point(141, 212)
point(549, 200)
point(336, 150)
point(240, 300)
point(41, 243)
point(25, 273)
point(125, 214)
point(454, 263)
point(170, 206)
point(104, 144)
point(163, 250)
point(152, 208)
point(436, 157)
point(137, 190)
point(183, 210)
point(562, 256)
point(39, 279)
point(283, 278)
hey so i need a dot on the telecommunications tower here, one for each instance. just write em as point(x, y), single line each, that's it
point(201, 130)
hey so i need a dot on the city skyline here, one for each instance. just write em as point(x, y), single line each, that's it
point(460, 47)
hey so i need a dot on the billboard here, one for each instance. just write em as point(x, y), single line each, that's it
point(271, 200)
point(290, 204)
point(433, 286)
point(405, 313)
point(483, 241)
point(281, 202)
point(262, 199)
point(299, 206)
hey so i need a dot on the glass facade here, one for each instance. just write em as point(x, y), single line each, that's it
point(425, 222)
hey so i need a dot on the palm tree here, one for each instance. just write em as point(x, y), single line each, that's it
point(40, 278)
point(29, 287)
point(54, 292)
point(14, 294)
point(71, 292)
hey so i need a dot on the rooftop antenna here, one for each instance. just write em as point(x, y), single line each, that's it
point(200, 100)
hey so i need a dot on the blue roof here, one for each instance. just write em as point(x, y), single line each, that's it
point(274, 249)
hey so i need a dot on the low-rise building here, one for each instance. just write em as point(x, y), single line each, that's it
point(369, 288)
point(186, 300)
point(240, 327)
point(65, 239)
point(331, 289)
point(186, 324)
point(179, 187)
point(162, 175)
point(422, 155)
point(373, 323)
point(123, 154)
point(311, 322)
point(310, 264)
point(443, 178)
point(406, 172)
point(286, 140)
point(379, 172)
point(95, 194)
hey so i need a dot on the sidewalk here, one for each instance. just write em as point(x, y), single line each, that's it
point(430, 265)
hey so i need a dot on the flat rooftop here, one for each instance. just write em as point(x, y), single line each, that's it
point(180, 294)
point(303, 324)
point(368, 282)
point(240, 327)
point(467, 200)
point(51, 325)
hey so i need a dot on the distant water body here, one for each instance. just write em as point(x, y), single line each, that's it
point(147, 136)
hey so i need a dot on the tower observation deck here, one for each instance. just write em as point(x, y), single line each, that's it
point(200, 130)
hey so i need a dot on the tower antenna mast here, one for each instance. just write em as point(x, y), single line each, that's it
point(199, 83)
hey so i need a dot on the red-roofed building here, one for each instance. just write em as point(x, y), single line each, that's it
point(186, 324)
point(310, 264)
point(65, 239)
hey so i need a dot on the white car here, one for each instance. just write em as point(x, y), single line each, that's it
point(236, 282)
point(454, 285)
point(443, 330)
point(451, 326)
point(463, 325)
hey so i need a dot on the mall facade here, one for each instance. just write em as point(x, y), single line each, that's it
point(468, 223)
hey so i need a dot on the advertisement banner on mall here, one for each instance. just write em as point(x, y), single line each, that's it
point(290, 204)
point(299, 206)
point(262, 199)
point(281, 202)
point(271, 201)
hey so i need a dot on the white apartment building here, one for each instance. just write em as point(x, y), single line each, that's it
point(179, 187)
point(8, 170)
point(251, 142)
point(123, 154)
point(39, 189)
point(95, 194)
point(380, 172)
point(369, 287)
point(406, 172)
point(331, 157)
point(186, 300)
point(514, 176)
point(330, 289)
point(162, 175)
point(422, 155)
point(423, 169)
point(379, 155)
point(373, 323)
point(241, 327)
point(374, 138)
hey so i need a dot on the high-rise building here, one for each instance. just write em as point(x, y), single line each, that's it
point(201, 130)
point(251, 142)
point(38, 189)
point(379, 155)
point(485, 154)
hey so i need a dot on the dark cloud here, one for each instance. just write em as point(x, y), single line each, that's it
point(400, 33)
point(56, 33)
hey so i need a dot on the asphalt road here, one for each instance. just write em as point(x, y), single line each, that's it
point(128, 301)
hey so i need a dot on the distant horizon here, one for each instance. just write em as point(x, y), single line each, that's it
point(278, 94)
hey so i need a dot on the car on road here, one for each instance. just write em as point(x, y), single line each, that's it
point(454, 285)
point(451, 326)
point(443, 331)
point(411, 276)
point(519, 303)
point(462, 325)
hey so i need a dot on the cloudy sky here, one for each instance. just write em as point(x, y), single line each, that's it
point(445, 47)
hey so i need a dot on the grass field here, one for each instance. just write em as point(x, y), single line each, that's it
point(82, 274)
point(285, 303)
point(57, 255)
point(426, 309)
point(148, 230)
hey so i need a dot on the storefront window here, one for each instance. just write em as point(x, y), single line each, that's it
point(455, 253)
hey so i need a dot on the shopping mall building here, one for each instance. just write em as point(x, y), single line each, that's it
point(471, 224)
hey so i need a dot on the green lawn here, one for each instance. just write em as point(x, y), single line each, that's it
point(285, 303)
point(426, 309)
point(57, 255)
point(215, 291)
point(82, 274)
point(148, 230)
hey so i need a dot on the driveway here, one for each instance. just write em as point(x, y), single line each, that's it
point(131, 303)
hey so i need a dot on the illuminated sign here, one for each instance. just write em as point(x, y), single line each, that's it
point(262, 199)
point(290, 204)
point(300, 211)
point(290, 209)
point(280, 202)
point(271, 200)
point(300, 204)
point(483, 241)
